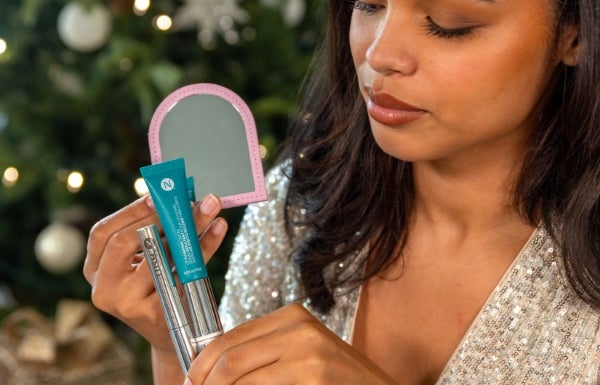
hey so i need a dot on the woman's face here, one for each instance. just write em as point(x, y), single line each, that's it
point(452, 78)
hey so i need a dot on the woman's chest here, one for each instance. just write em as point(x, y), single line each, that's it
point(411, 325)
point(531, 329)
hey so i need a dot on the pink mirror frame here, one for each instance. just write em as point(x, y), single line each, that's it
point(244, 198)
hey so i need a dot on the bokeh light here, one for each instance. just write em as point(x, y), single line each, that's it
point(140, 7)
point(140, 187)
point(163, 23)
point(10, 176)
point(75, 181)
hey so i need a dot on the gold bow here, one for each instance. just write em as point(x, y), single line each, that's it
point(76, 337)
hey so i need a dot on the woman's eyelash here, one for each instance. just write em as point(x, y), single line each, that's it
point(446, 33)
point(364, 7)
point(431, 27)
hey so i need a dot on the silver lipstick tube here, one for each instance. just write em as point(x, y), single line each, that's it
point(164, 282)
point(204, 315)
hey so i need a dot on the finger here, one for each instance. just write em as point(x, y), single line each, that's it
point(206, 211)
point(275, 358)
point(253, 356)
point(132, 298)
point(121, 273)
point(123, 269)
point(283, 372)
point(212, 238)
point(121, 249)
point(240, 361)
point(102, 231)
point(250, 357)
point(212, 229)
point(130, 288)
point(206, 360)
point(277, 373)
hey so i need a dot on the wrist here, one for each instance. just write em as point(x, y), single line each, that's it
point(166, 368)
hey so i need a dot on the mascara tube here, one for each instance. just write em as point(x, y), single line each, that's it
point(169, 297)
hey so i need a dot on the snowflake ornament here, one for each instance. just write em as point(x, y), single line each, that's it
point(211, 17)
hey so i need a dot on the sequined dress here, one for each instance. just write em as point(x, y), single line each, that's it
point(533, 329)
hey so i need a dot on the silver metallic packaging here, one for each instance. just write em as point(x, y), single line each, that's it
point(175, 315)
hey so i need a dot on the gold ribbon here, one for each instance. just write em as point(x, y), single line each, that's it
point(76, 337)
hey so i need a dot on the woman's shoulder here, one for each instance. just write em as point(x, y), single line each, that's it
point(277, 180)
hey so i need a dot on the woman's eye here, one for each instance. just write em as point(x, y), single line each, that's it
point(446, 33)
point(364, 7)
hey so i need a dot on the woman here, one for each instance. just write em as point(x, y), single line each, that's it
point(437, 214)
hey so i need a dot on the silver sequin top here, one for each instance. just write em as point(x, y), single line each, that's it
point(533, 329)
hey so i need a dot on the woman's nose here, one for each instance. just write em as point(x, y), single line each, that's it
point(393, 48)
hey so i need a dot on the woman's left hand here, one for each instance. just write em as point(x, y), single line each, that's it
point(288, 346)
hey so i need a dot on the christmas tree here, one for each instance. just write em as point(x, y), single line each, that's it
point(80, 80)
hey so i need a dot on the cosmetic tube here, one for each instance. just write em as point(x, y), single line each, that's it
point(166, 289)
point(167, 184)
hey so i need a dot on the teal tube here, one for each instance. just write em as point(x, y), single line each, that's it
point(168, 187)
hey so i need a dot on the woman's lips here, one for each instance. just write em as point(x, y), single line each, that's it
point(390, 111)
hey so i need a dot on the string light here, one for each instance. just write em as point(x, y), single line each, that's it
point(10, 177)
point(75, 181)
point(163, 22)
point(140, 187)
point(3, 46)
point(263, 151)
point(140, 7)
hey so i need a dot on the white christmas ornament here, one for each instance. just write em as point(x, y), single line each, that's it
point(59, 248)
point(211, 17)
point(83, 28)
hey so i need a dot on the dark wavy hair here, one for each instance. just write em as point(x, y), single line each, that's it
point(354, 194)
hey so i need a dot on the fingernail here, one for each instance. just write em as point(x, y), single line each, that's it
point(187, 382)
point(209, 204)
point(150, 202)
point(218, 227)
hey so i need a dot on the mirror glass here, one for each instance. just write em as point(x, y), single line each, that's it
point(213, 129)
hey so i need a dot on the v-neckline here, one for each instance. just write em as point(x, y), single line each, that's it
point(476, 321)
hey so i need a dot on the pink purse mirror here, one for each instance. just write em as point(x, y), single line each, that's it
point(213, 129)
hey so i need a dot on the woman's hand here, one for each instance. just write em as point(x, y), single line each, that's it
point(121, 281)
point(288, 346)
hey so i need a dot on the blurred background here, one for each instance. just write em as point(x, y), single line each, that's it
point(79, 82)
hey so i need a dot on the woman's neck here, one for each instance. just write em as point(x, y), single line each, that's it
point(467, 195)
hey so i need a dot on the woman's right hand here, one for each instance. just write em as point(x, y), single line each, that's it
point(121, 281)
